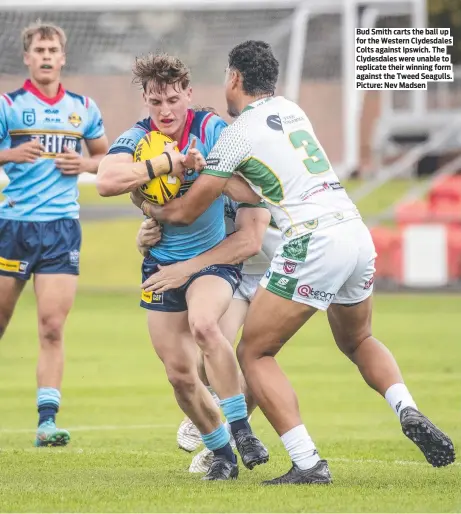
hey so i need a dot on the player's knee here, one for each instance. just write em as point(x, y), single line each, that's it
point(205, 332)
point(349, 345)
point(183, 381)
point(51, 330)
point(4, 320)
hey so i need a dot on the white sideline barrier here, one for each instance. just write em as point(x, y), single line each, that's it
point(425, 256)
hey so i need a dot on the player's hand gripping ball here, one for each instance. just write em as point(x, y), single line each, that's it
point(160, 189)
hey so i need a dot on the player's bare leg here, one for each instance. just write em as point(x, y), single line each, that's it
point(175, 346)
point(208, 298)
point(10, 291)
point(351, 327)
point(230, 324)
point(263, 336)
point(55, 295)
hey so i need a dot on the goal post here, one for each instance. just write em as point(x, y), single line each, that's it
point(312, 39)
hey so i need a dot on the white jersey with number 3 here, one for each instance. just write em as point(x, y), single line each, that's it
point(272, 145)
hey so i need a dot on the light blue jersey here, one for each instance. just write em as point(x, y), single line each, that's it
point(182, 243)
point(39, 191)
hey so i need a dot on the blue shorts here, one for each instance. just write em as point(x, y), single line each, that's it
point(174, 300)
point(51, 247)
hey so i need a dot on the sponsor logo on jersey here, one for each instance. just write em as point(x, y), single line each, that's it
point(51, 111)
point(74, 119)
point(292, 118)
point(55, 143)
point(274, 122)
point(213, 162)
point(28, 117)
point(289, 267)
point(308, 292)
point(320, 188)
point(13, 266)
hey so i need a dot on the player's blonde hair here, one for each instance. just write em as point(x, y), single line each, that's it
point(45, 30)
point(157, 71)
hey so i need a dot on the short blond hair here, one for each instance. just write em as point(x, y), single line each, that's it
point(163, 70)
point(45, 30)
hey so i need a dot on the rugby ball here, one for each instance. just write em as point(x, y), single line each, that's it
point(160, 189)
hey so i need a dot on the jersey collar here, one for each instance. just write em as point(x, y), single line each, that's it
point(28, 86)
point(185, 135)
point(257, 103)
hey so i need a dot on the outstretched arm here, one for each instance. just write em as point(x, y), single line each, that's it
point(251, 224)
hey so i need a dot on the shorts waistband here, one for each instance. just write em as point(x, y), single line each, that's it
point(327, 220)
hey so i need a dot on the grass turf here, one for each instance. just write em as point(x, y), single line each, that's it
point(123, 455)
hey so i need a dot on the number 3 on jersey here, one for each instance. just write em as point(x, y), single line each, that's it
point(316, 161)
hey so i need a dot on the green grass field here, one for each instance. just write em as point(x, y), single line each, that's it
point(123, 455)
point(123, 418)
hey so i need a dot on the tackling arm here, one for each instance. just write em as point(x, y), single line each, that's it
point(186, 209)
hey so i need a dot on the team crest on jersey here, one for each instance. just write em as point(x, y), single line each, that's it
point(75, 120)
point(28, 117)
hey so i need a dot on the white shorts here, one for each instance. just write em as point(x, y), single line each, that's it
point(247, 288)
point(331, 265)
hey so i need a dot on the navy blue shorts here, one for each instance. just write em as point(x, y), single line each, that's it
point(174, 300)
point(28, 247)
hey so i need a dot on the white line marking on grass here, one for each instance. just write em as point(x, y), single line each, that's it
point(377, 461)
point(90, 428)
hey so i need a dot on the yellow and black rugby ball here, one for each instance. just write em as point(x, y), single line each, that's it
point(160, 189)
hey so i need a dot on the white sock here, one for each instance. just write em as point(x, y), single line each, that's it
point(300, 447)
point(399, 397)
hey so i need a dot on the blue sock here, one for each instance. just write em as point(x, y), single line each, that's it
point(218, 443)
point(235, 410)
point(48, 400)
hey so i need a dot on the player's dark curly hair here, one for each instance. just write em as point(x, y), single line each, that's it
point(160, 71)
point(257, 65)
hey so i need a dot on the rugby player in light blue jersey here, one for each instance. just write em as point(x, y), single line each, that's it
point(42, 127)
point(192, 312)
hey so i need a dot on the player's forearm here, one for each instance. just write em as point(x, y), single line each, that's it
point(91, 164)
point(117, 178)
point(239, 190)
point(235, 249)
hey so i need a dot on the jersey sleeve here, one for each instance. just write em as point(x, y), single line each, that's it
point(213, 130)
point(232, 148)
point(3, 119)
point(127, 142)
point(95, 125)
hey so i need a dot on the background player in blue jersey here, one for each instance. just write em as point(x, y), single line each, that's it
point(182, 317)
point(42, 127)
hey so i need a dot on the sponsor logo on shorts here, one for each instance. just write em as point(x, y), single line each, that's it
point(281, 285)
point(308, 292)
point(209, 268)
point(289, 267)
point(13, 266)
point(74, 257)
point(151, 297)
point(296, 249)
point(369, 283)
point(268, 273)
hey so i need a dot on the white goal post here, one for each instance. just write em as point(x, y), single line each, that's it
point(313, 40)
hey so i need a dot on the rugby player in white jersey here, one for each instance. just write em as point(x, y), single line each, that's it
point(326, 261)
